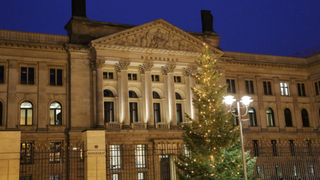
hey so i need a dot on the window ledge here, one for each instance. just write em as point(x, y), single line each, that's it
point(139, 125)
point(163, 125)
point(255, 128)
point(114, 126)
point(272, 128)
point(307, 129)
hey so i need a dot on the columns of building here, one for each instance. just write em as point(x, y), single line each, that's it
point(190, 83)
point(145, 70)
point(98, 67)
point(122, 70)
point(42, 97)
point(171, 114)
point(12, 116)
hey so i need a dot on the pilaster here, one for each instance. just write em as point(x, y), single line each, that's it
point(43, 120)
point(12, 118)
point(190, 83)
point(122, 70)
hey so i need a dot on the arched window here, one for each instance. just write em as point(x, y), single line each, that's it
point(287, 117)
point(55, 114)
point(26, 110)
point(156, 108)
point(179, 108)
point(305, 119)
point(252, 116)
point(178, 96)
point(1, 113)
point(270, 117)
point(155, 95)
point(236, 120)
point(107, 93)
point(133, 108)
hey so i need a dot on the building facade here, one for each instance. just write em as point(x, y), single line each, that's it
point(133, 84)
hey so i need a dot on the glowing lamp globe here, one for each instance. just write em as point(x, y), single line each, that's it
point(246, 100)
point(228, 100)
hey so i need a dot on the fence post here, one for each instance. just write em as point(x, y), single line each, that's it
point(95, 154)
point(10, 155)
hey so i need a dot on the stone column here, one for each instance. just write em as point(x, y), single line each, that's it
point(12, 118)
point(171, 117)
point(95, 154)
point(145, 70)
point(43, 120)
point(98, 67)
point(122, 69)
point(10, 155)
point(190, 83)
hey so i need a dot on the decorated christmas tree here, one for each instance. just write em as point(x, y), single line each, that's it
point(212, 144)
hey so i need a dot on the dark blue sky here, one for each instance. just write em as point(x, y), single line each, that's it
point(277, 27)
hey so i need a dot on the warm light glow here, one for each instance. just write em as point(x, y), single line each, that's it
point(229, 100)
point(246, 100)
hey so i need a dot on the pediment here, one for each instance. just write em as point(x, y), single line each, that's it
point(157, 34)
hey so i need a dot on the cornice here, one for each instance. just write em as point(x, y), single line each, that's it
point(260, 64)
point(34, 46)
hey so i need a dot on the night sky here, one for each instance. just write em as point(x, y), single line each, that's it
point(276, 27)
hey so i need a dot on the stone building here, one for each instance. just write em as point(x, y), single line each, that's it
point(112, 85)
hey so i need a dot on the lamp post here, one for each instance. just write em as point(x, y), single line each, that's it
point(245, 101)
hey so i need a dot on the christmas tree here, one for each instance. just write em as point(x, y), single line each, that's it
point(213, 136)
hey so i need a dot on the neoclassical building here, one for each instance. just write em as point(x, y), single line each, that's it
point(131, 85)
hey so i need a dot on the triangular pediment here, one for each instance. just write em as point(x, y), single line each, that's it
point(158, 34)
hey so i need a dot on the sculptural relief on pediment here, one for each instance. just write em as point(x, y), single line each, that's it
point(158, 38)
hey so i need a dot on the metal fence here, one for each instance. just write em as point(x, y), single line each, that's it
point(53, 161)
point(286, 159)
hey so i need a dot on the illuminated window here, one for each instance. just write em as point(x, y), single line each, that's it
point(26, 153)
point(284, 87)
point(55, 177)
point(115, 157)
point(140, 154)
point(270, 117)
point(26, 110)
point(55, 114)
point(55, 152)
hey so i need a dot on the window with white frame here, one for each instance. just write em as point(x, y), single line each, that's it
point(115, 157)
point(140, 155)
point(141, 175)
point(55, 113)
point(284, 87)
point(26, 113)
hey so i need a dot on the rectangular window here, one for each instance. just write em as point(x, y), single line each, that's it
point(155, 78)
point(179, 113)
point(27, 75)
point(177, 79)
point(156, 112)
point(140, 154)
point(231, 86)
point(1, 74)
point(56, 77)
point(132, 76)
point(249, 87)
point(309, 147)
point(115, 176)
point(317, 87)
point(292, 148)
point(115, 157)
point(276, 168)
point(284, 87)
point(26, 153)
point(301, 89)
point(256, 147)
point(274, 147)
point(311, 170)
point(141, 176)
point(133, 112)
point(25, 178)
point(107, 75)
point(55, 177)
point(55, 152)
point(108, 112)
point(267, 88)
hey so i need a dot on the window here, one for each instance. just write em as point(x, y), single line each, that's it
point(115, 177)
point(252, 116)
point(270, 117)
point(27, 75)
point(258, 171)
point(55, 114)
point(276, 168)
point(317, 87)
point(55, 152)
point(140, 154)
point(311, 170)
point(1, 74)
point(309, 147)
point(26, 110)
point(267, 88)
point(305, 119)
point(231, 86)
point(292, 149)
point(177, 79)
point(155, 78)
point(55, 177)
point(256, 147)
point(156, 108)
point(274, 147)
point(1, 112)
point(179, 109)
point(132, 76)
point(287, 117)
point(141, 176)
point(249, 87)
point(133, 106)
point(178, 96)
point(155, 95)
point(284, 87)
point(115, 157)
point(235, 118)
point(107, 93)
point(56, 77)
point(107, 75)
point(132, 94)
point(108, 112)
point(25, 178)
point(301, 89)
point(26, 153)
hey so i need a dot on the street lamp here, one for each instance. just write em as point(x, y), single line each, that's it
point(245, 101)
